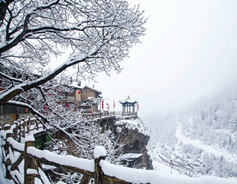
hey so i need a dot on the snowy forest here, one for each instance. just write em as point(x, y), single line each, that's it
point(202, 137)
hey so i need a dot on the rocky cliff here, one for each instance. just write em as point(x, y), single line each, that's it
point(133, 133)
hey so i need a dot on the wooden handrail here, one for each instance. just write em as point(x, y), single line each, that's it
point(34, 158)
point(109, 113)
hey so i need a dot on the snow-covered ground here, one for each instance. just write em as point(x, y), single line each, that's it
point(162, 155)
point(207, 148)
point(163, 169)
point(168, 176)
point(201, 140)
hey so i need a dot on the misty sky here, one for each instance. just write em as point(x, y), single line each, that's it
point(189, 52)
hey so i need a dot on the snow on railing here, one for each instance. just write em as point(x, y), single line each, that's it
point(22, 126)
point(23, 162)
point(18, 154)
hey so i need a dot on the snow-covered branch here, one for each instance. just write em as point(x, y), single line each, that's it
point(99, 34)
point(10, 78)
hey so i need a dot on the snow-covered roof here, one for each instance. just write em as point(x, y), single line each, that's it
point(128, 100)
point(92, 89)
point(75, 85)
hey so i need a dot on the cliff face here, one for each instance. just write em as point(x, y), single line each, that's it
point(133, 133)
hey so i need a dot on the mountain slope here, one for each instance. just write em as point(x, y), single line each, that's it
point(201, 139)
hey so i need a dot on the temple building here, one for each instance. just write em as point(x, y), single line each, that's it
point(128, 106)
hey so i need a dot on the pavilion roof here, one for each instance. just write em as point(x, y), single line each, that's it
point(128, 100)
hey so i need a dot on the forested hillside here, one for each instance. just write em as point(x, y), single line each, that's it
point(202, 138)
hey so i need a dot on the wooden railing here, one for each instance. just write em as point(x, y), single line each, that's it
point(110, 114)
point(11, 117)
point(16, 155)
point(22, 126)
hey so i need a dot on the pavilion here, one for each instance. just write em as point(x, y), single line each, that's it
point(128, 106)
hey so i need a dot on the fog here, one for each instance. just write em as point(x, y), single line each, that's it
point(188, 52)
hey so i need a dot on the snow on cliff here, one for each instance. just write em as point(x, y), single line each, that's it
point(134, 124)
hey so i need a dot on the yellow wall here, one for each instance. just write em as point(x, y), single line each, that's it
point(78, 96)
point(87, 93)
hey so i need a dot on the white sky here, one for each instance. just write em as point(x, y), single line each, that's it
point(188, 52)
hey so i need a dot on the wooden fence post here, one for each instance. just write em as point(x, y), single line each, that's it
point(7, 127)
point(23, 125)
point(31, 165)
point(19, 130)
point(27, 124)
point(99, 154)
point(37, 125)
point(15, 130)
point(7, 147)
